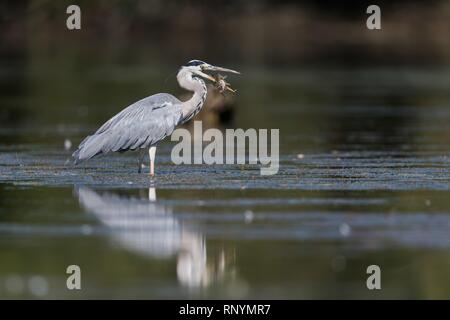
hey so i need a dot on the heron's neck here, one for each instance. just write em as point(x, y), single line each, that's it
point(193, 106)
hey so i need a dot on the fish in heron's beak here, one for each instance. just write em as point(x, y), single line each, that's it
point(219, 80)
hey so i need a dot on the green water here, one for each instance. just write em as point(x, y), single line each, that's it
point(372, 187)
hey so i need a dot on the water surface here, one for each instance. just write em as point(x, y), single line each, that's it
point(364, 179)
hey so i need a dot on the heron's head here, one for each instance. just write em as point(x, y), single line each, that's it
point(198, 68)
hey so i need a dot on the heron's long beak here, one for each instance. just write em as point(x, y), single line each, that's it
point(209, 67)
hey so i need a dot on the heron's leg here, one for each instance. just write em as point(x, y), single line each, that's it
point(141, 160)
point(152, 154)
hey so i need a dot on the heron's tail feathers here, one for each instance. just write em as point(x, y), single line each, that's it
point(89, 148)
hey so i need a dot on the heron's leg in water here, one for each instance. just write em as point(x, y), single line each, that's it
point(141, 160)
point(152, 154)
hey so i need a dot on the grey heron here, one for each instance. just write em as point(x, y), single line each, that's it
point(148, 121)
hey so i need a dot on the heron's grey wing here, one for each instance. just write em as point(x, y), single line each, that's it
point(140, 125)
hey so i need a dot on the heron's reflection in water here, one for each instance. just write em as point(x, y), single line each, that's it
point(141, 225)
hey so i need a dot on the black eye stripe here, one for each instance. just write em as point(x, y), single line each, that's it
point(194, 63)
